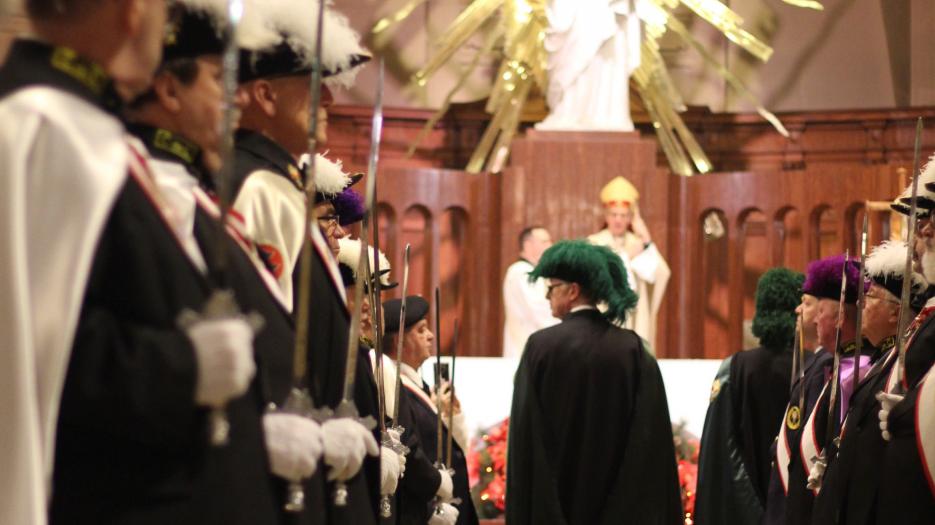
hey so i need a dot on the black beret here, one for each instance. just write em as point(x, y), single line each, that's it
point(416, 310)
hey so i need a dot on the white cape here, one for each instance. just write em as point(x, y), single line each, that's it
point(62, 162)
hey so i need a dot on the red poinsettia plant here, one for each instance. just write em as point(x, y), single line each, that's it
point(687, 447)
point(487, 470)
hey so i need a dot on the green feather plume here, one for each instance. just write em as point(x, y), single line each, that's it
point(598, 271)
point(778, 293)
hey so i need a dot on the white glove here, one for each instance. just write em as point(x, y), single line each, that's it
point(294, 444)
point(396, 444)
point(389, 471)
point(224, 353)
point(816, 473)
point(445, 514)
point(346, 443)
point(446, 487)
point(887, 402)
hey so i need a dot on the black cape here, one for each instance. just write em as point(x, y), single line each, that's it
point(849, 488)
point(904, 495)
point(794, 504)
point(590, 437)
point(748, 402)
point(329, 323)
point(132, 445)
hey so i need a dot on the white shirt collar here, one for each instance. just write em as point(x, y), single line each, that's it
point(411, 373)
point(582, 307)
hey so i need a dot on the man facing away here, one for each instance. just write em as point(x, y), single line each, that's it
point(525, 308)
point(590, 436)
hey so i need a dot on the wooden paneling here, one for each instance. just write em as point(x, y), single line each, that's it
point(452, 221)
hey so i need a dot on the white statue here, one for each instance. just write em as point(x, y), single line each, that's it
point(594, 47)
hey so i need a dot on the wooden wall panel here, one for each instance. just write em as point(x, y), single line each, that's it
point(453, 225)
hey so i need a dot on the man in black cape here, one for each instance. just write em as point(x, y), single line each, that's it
point(590, 436)
point(848, 491)
point(748, 401)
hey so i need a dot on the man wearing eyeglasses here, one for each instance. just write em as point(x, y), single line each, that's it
point(848, 492)
point(590, 436)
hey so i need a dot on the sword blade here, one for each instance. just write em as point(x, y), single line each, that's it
point(350, 363)
point(907, 271)
point(300, 351)
point(861, 299)
point(836, 370)
point(399, 337)
point(454, 353)
point(439, 451)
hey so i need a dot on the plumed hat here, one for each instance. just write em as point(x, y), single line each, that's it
point(416, 310)
point(349, 205)
point(330, 177)
point(886, 266)
point(199, 27)
point(295, 21)
point(925, 202)
point(619, 192)
point(349, 256)
point(823, 278)
point(777, 295)
point(598, 271)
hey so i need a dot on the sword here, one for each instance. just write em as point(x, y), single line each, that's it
point(299, 400)
point(801, 364)
point(347, 408)
point(861, 299)
point(439, 451)
point(222, 304)
point(822, 458)
point(907, 271)
point(451, 411)
point(399, 342)
point(796, 345)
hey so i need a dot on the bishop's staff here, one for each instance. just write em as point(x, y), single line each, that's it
point(904, 310)
point(222, 304)
point(300, 400)
point(347, 408)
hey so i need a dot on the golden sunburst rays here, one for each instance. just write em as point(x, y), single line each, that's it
point(519, 40)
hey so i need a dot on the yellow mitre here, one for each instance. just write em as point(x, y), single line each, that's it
point(619, 192)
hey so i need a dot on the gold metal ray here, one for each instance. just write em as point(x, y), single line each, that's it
point(807, 4)
point(728, 22)
point(467, 23)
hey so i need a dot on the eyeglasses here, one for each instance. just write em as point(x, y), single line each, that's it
point(881, 298)
point(548, 290)
point(329, 221)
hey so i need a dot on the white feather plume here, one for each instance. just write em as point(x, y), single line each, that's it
point(888, 260)
point(927, 177)
point(350, 255)
point(330, 178)
point(252, 33)
point(297, 21)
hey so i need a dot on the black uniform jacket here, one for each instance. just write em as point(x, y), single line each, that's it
point(849, 488)
point(748, 402)
point(328, 330)
point(905, 495)
point(590, 436)
point(417, 494)
point(786, 505)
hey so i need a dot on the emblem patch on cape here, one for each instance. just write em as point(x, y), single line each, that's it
point(715, 389)
point(793, 418)
point(272, 258)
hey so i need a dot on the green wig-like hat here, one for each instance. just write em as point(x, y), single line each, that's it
point(598, 271)
point(778, 293)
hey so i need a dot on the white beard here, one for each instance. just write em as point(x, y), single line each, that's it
point(928, 264)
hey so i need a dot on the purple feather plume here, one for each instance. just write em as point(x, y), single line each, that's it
point(823, 278)
point(350, 206)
